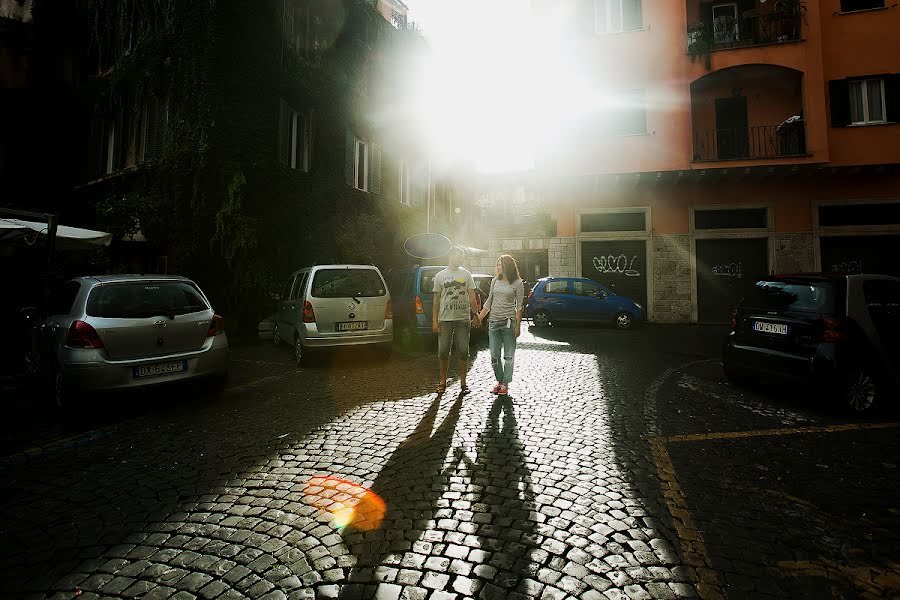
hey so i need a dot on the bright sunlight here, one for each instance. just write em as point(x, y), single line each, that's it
point(498, 84)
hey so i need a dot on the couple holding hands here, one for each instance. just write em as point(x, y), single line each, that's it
point(454, 303)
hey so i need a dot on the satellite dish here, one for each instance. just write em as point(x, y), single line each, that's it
point(427, 245)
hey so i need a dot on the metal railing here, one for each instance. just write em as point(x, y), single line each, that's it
point(747, 30)
point(759, 141)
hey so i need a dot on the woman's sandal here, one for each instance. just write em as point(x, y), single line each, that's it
point(441, 388)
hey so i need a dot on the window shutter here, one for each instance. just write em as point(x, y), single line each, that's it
point(349, 158)
point(632, 17)
point(892, 97)
point(284, 132)
point(839, 99)
point(375, 169)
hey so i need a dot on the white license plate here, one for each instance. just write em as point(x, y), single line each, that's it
point(776, 328)
point(352, 326)
point(160, 370)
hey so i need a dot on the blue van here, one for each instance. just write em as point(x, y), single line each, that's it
point(413, 298)
point(556, 299)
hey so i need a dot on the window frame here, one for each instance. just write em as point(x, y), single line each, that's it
point(864, 83)
point(586, 282)
point(856, 10)
point(358, 143)
point(606, 6)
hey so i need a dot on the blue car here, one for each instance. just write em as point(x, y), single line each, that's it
point(558, 299)
point(412, 298)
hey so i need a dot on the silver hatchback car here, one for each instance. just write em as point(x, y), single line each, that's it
point(329, 306)
point(126, 331)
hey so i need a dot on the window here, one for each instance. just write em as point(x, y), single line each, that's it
point(295, 133)
point(886, 213)
point(807, 296)
point(867, 101)
point(405, 191)
point(725, 23)
point(852, 5)
point(362, 164)
point(613, 16)
point(619, 221)
point(111, 146)
point(864, 100)
point(588, 288)
point(299, 284)
point(731, 218)
point(145, 299)
point(557, 287)
point(286, 291)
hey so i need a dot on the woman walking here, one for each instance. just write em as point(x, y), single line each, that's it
point(504, 303)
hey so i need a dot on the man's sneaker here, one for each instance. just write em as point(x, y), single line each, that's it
point(504, 390)
point(496, 389)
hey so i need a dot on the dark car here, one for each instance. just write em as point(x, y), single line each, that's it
point(837, 332)
point(557, 299)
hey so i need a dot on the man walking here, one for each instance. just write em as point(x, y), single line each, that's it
point(454, 303)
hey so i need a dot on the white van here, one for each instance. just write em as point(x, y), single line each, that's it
point(327, 306)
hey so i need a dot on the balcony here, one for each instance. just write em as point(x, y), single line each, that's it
point(748, 112)
point(742, 24)
point(745, 143)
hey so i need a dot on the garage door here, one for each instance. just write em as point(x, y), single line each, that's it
point(861, 254)
point(726, 271)
point(620, 266)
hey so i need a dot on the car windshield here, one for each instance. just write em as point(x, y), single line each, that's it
point(347, 283)
point(812, 296)
point(141, 299)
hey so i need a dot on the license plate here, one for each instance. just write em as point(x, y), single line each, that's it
point(351, 326)
point(775, 328)
point(160, 370)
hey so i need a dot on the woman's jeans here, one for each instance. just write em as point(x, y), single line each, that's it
point(502, 336)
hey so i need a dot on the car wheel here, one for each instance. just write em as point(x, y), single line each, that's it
point(276, 337)
point(860, 391)
point(541, 319)
point(624, 320)
point(63, 395)
point(299, 353)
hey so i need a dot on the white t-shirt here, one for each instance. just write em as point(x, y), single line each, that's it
point(454, 286)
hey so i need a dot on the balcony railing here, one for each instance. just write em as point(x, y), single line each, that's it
point(746, 143)
point(747, 30)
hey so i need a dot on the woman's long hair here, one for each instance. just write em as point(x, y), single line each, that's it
point(509, 268)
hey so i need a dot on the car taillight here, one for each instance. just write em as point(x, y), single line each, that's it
point(389, 310)
point(82, 335)
point(216, 326)
point(734, 312)
point(531, 292)
point(835, 330)
point(420, 308)
point(309, 315)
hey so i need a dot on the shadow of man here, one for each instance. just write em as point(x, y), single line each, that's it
point(506, 508)
point(410, 485)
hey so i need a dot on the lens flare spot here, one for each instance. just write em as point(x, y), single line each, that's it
point(350, 504)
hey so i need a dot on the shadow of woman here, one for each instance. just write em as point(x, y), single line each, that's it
point(505, 508)
point(410, 485)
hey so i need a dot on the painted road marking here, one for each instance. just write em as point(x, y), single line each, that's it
point(693, 548)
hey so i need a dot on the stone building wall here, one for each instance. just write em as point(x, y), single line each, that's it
point(672, 295)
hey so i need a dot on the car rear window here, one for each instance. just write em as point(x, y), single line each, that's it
point(427, 281)
point(145, 299)
point(347, 283)
point(812, 296)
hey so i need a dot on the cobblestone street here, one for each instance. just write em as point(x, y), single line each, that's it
point(622, 466)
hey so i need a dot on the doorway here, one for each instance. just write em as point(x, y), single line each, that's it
point(732, 128)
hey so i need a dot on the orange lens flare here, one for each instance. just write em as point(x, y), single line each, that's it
point(351, 504)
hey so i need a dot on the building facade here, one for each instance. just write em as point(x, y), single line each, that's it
point(750, 137)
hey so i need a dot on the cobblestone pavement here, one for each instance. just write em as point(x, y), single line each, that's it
point(623, 466)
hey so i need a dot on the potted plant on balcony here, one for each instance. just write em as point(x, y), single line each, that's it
point(700, 43)
point(793, 14)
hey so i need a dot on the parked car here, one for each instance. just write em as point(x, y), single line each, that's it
point(558, 299)
point(482, 291)
point(836, 332)
point(412, 289)
point(114, 332)
point(332, 306)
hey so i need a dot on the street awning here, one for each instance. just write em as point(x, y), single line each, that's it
point(67, 238)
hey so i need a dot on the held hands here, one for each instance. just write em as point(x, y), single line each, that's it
point(435, 326)
point(476, 321)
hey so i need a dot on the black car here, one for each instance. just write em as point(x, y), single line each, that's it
point(838, 332)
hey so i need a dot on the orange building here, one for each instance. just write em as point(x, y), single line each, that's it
point(753, 136)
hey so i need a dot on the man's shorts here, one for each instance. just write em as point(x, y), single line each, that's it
point(458, 333)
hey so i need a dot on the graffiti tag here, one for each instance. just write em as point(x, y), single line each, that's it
point(850, 267)
point(620, 265)
point(728, 270)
